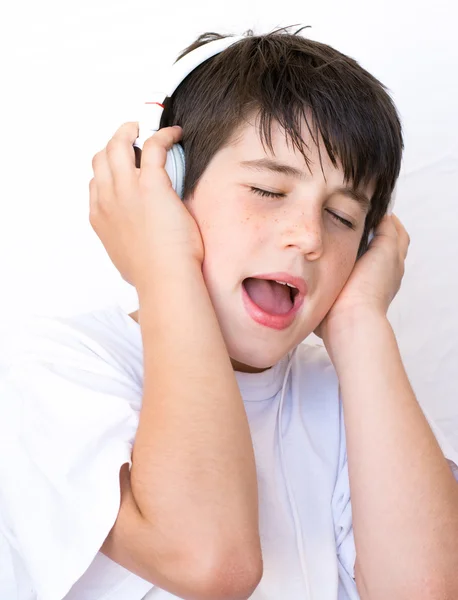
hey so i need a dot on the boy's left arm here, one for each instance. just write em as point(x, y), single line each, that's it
point(404, 496)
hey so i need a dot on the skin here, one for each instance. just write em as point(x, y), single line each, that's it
point(244, 234)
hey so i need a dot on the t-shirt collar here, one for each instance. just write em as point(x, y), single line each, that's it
point(264, 385)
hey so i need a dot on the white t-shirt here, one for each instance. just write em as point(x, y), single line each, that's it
point(70, 396)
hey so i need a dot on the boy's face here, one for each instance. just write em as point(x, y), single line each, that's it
point(247, 235)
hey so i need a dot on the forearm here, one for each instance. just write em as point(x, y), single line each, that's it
point(404, 497)
point(193, 475)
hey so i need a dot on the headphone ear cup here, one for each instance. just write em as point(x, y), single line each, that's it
point(175, 167)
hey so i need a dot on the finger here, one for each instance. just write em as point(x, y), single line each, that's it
point(102, 175)
point(120, 153)
point(404, 237)
point(130, 131)
point(92, 192)
point(154, 155)
point(399, 226)
point(127, 131)
point(92, 201)
point(121, 159)
point(386, 227)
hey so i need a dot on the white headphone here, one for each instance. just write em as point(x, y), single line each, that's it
point(175, 163)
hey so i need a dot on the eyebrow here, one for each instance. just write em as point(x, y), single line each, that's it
point(267, 164)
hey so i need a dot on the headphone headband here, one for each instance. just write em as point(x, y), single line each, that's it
point(152, 110)
point(181, 69)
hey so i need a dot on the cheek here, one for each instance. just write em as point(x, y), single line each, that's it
point(336, 273)
point(343, 268)
point(226, 223)
point(220, 231)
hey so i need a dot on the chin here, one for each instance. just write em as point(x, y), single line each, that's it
point(257, 356)
point(257, 347)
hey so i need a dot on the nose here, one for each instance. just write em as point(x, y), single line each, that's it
point(303, 230)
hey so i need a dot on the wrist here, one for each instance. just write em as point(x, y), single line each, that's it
point(164, 272)
point(346, 333)
point(353, 318)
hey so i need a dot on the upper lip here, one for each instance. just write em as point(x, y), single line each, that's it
point(298, 282)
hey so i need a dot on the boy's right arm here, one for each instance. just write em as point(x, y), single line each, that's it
point(189, 519)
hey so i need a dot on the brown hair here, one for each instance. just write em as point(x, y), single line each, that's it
point(284, 77)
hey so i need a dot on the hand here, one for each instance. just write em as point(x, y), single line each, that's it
point(374, 281)
point(135, 212)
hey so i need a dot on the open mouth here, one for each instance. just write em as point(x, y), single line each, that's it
point(273, 297)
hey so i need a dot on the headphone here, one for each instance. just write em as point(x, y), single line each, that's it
point(175, 163)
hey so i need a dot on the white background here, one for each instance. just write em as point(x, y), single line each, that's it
point(74, 71)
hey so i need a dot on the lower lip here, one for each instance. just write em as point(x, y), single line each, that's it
point(264, 318)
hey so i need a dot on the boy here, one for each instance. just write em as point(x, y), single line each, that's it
point(239, 484)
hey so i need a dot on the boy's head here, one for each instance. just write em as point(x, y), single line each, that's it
point(305, 105)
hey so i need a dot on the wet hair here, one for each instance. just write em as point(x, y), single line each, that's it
point(285, 77)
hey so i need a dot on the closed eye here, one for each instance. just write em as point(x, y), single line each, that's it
point(267, 194)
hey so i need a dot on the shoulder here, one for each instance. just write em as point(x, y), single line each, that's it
point(102, 341)
point(65, 373)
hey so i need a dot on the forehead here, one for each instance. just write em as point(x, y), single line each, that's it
point(278, 153)
point(272, 140)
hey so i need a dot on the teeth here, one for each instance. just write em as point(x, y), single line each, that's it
point(284, 283)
